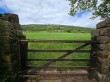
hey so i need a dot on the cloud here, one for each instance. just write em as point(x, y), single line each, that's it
point(47, 12)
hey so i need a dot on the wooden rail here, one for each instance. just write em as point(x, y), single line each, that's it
point(58, 67)
point(78, 51)
point(56, 41)
point(52, 59)
point(57, 74)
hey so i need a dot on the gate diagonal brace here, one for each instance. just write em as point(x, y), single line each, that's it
point(66, 54)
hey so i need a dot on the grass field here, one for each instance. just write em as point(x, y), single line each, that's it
point(56, 36)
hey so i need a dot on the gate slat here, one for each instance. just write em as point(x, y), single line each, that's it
point(50, 59)
point(57, 67)
point(78, 51)
point(56, 41)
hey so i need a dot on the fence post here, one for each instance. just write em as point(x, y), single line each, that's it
point(23, 52)
point(10, 58)
point(100, 56)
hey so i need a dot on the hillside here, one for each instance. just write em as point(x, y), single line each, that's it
point(56, 28)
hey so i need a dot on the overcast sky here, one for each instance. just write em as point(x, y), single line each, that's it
point(46, 12)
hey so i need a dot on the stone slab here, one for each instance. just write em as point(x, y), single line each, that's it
point(103, 39)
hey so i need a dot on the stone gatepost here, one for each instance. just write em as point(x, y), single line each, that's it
point(100, 56)
point(10, 58)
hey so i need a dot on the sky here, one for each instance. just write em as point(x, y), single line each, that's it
point(46, 12)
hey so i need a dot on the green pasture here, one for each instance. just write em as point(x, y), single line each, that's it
point(56, 36)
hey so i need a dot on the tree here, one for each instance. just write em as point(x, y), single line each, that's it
point(99, 10)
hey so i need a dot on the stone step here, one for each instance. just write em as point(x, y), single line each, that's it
point(61, 79)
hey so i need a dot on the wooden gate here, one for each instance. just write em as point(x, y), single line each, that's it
point(78, 49)
point(61, 58)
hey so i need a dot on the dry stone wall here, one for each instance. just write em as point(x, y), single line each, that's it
point(101, 51)
point(10, 58)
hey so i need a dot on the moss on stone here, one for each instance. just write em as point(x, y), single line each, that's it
point(7, 58)
point(3, 23)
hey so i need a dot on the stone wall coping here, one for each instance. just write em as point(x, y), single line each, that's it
point(103, 24)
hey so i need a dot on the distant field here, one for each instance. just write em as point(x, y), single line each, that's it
point(56, 36)
point(56, 28)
